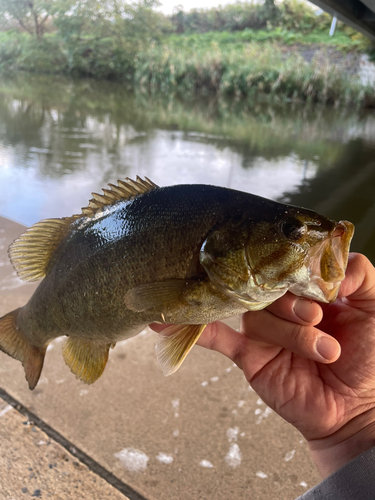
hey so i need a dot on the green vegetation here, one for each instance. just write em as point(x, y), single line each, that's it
point(84, 38)
point(253, 70)
point(241, 49)
point(237, 39)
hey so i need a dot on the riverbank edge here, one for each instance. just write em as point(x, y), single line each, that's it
point(319, 73)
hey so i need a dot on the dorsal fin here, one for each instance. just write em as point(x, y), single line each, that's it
point(31, 253)
point(125, 190)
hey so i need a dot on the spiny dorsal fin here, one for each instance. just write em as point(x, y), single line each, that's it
point(125, 190)
point(31, 253)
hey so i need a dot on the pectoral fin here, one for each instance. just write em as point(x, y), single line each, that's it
point(156, 294)
point(86, 359)
point(174, 344)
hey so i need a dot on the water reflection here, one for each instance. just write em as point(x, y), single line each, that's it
point(60, 140)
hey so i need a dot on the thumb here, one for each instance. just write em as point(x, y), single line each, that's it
point(358, 287)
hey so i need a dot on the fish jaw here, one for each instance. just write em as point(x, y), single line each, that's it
point(326, 264)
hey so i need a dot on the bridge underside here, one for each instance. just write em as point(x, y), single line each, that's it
point(360, 15)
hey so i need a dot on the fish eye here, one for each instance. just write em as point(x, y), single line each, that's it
point(293, 229)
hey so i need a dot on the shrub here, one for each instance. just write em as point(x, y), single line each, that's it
point(42, 56)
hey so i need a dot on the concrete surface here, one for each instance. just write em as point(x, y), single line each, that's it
point(32, 465)
point(199, 434)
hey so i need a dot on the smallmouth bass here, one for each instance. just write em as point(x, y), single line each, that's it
point(186, 255)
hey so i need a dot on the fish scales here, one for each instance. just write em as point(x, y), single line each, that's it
point(187, 254)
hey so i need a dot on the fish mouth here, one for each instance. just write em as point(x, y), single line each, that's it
point(327, 262)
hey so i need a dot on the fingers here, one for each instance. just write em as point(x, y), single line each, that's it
point(263, 337)
point(358, 286)
point(265, 329)
point(286, 324)
point(297, 310)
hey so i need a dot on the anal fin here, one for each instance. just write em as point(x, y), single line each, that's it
point(86, 359)
point(174, 344)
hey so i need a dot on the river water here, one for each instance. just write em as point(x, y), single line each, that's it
point(60, 140)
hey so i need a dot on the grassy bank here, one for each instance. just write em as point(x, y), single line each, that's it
point(246, 54)
point(245, 71)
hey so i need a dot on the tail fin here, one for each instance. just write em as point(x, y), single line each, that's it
point(15, 343)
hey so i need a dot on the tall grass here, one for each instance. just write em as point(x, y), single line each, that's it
point(254, 70)
point(279, 35)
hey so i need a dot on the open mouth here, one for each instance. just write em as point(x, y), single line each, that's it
point(327, 262)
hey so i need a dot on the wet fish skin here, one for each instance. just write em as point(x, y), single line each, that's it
point(187, 254)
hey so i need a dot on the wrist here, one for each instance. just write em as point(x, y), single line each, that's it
point(333, 452)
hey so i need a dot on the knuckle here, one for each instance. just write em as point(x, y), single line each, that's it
point(300, 336)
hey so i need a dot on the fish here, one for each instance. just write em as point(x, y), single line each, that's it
point(184, 255)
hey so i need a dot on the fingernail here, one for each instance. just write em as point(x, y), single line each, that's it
point(305, 310)
point(327, 347)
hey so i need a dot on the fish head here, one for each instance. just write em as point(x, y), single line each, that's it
point(294, 249)
point(304, 252)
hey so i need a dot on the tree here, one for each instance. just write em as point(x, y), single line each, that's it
point(31, 15)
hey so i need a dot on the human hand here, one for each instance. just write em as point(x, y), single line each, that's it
point(330, 399)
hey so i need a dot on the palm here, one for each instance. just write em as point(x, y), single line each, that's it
point(319, 398)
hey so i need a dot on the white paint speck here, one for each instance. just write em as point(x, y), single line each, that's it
point(176, 406)
point(41, 442)
point(83, 392)
point(206, 463)
point(303, 484)
point(258, 411)
point(60, 381)
point(203, 384)
point(260, 401)
point(241, 403)
point(228, 370)
point(261, 474)
point(5, 410)
point(176, 433)
point(242, 434)
point(214, 379)
point(134, 460)
point(266, 413)
point(232, 433)
point(234, 456)
point(165, 458)
point(289, 455)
